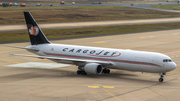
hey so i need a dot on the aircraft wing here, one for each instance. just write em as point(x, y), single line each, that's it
point(105, 63)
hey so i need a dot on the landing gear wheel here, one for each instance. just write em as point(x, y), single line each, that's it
point(161, 79)
point(83, 73)
point(78, 72)
point(106, 71)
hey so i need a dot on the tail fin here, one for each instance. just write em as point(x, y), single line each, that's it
point(35, 33)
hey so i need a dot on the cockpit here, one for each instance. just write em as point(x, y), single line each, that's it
point(167, 60)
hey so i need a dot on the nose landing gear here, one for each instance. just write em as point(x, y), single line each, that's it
point(161, 77)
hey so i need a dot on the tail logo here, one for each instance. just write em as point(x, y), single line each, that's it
point(34, 30)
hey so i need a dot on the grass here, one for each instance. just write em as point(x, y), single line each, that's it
point(14, 15)
point(171, 7)
point(76, 32)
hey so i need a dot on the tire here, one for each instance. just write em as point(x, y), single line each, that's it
point(83, 73)
point(104, 70)
point(78, 72)
point(161, 79)
point(108, 71)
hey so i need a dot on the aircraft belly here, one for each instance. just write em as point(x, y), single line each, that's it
point(138, 67)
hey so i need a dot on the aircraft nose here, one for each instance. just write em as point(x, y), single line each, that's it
point(173, 66)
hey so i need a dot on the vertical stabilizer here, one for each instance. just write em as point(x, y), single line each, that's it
point(35, 33)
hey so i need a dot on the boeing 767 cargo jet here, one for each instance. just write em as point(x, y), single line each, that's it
point(94, 60)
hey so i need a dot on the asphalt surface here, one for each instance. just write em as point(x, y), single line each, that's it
point(18, 82)
point(7, 28)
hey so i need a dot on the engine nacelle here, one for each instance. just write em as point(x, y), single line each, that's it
point(93, 68)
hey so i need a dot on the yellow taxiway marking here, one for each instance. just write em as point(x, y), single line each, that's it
point(108, 86)
point(151, 36)
point(8, 60)
point(99, 42)
point(41, 84)
point(4, 52)
point(102, 86)
point(9, 51)
point(112, 94)
point(93, 86)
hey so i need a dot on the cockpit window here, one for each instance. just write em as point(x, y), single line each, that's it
point(167, 60)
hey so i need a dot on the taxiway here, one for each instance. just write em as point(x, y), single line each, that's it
point(41, 82)
point(7, 28)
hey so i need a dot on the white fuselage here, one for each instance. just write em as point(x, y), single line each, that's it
point(120, 59)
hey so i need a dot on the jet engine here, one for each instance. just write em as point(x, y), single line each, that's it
point(93, 68)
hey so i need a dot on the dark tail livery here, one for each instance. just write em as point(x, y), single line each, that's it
point(35, 33)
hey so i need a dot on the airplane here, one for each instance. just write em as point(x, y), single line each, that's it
point(94, 60)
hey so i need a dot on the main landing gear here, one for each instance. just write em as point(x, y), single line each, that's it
point(81, 72)
point(106, 71)
point(161, 77)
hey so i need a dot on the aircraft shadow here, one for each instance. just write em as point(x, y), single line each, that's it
point(59, 73)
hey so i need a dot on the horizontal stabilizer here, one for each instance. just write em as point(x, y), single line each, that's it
point(21, 47)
